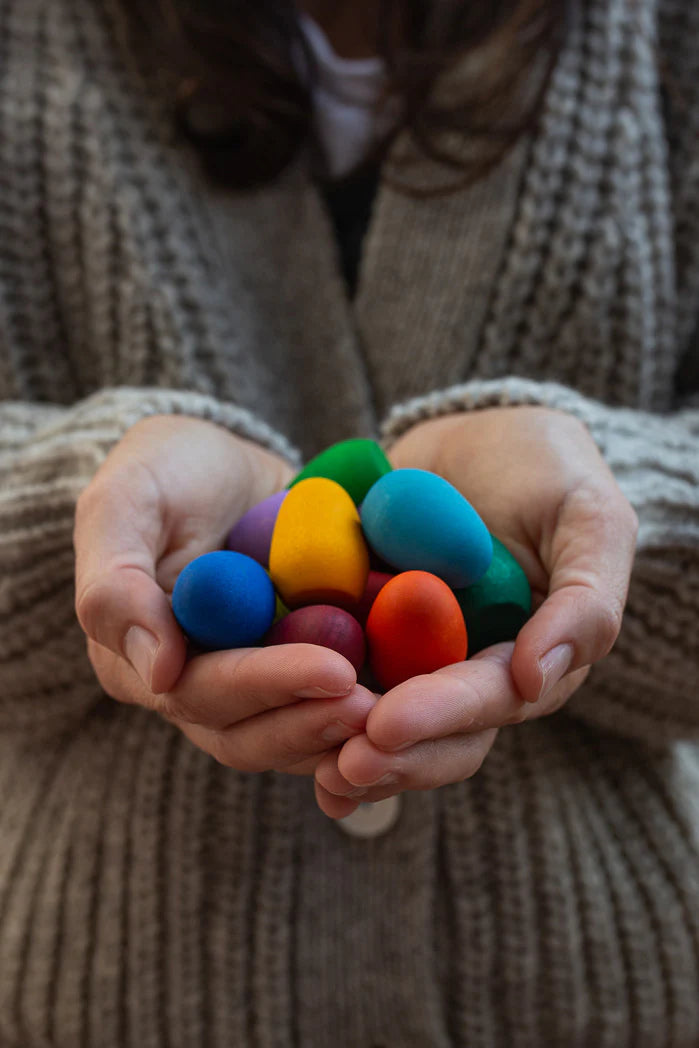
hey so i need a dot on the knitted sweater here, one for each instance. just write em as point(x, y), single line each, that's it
point(150, 897)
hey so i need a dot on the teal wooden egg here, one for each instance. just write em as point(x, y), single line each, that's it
point(496, 607)
point(417, 521)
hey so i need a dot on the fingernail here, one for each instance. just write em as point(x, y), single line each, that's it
point(140, 648)
point(553, 666)
point(320, 693)
point(337, 732)
point(385, 780)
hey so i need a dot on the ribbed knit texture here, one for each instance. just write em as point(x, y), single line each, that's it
point(150, 898)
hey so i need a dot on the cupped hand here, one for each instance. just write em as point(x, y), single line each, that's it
point(168, 492)
point(542, 487)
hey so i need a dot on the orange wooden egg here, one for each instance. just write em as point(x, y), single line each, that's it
point(415, 626)
point(318, 554)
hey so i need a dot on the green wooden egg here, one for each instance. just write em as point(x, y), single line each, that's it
point(496, 607)
point(354, 464)
point(280, 610)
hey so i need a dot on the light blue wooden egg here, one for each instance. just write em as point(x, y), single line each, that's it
point(416, 520)
point(224, 600)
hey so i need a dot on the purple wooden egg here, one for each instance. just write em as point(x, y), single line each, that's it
point(252, 534)
point(325, 625)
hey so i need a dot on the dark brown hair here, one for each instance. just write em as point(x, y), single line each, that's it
point(246, 106)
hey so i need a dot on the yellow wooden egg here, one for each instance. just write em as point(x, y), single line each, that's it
point(318, 554)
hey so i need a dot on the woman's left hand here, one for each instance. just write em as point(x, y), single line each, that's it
point(538, 481)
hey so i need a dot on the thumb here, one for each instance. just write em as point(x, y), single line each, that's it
point(592, 551)
point(118, 602)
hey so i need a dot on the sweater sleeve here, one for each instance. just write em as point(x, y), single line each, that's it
point(648, 686)
point(47, 456)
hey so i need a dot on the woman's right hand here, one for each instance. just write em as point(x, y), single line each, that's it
point(168, 492)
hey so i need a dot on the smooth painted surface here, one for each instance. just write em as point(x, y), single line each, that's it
point(416, 520)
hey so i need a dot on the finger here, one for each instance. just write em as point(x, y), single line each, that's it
point(465, 698)
point(425, 767)
point(131, 690)
point(221, 688)
point(336, 796)
point(305, 767)
point(283, 738)
point(333, 784)
point(333, 807)
point(591, 558)
point(118, 601)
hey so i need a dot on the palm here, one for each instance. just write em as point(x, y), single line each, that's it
point(201, 479)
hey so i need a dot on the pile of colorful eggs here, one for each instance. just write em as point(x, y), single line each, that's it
point(392, 568)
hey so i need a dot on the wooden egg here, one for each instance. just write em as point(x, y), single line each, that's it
point(318, 554)
point(375, 583)
point(416, 520)
point(280, 609)
point(415, 626)
point(353, 464)
point(325, 625)
point(496, 607)
point(252, 534)
point(223, 600)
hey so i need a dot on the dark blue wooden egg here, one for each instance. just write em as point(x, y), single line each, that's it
point(224, 600)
